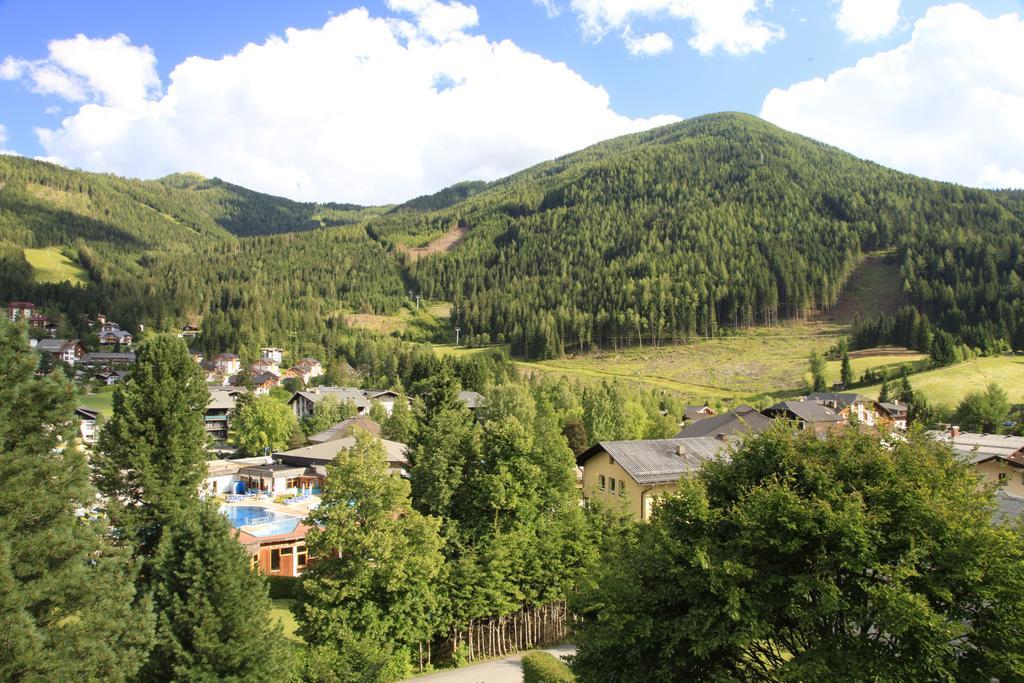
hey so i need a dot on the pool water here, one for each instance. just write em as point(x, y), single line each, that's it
point(263, 521)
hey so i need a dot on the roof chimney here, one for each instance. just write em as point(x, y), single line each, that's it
point(722, 436)
point(954, 431)
point(680, 449)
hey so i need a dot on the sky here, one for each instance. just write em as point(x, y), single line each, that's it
point(380, 101)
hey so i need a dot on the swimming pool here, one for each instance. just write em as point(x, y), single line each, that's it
point(260, 521)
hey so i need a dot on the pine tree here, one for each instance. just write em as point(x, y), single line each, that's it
point(883, 395)
point(373, 587)
point(817, 366)
point(846, 371)
point(400, 425)
point(213, 621)
point(151, 454)
point(68, 608)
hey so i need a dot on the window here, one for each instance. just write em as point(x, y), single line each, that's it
point(302, 556)
point(292, 483)
point(1002, 477)
point(622, 488)
point(275, 560)
point(286, 551)
point(600, 481)
point(611, 485)
point(254, 562)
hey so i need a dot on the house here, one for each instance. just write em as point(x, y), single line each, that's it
point(20, 310)
point(632, 475)
point(471, 399)
point(38, 321)
point(806, 415)
point(218, 415)
point(108, 359)
point(68, 351)
point(264, 365)
point(110, 377)
point(272, 354)
point(306, 369)
point(115, 335)
point(321, 454)
point(87, 424)
point(895, 414)
point(197, 356)
point(227, 363)
point(304, 402)
point(850, 405)
point(189, 331)
point(385, 397)
point(346, 428)
point(998, 459)
point(738, 421)
point(693, 413)
point(264, 382)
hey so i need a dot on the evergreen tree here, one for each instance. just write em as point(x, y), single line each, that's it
point(846, 371)
point(817, 365)
point(984, 411)
point(213, 613)
point(400, 425)
point(883, 395)
point(68, 608)
point(905, 392)
point(263, 425)
point(150, 458)
point(373, 588)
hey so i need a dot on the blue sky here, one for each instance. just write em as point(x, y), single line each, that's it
point(939, 93)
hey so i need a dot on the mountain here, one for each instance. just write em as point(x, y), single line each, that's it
point(716, 222)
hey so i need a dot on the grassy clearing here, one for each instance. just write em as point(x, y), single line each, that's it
point(50, 265)
point(281, 613)
point(459, 351)
point(947, 386)
point(103, 401)
point(874, 288)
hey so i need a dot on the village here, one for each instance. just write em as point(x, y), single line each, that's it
point(267, 498)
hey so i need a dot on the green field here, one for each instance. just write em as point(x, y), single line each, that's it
point(947, 386)
point(50, 265)
point(281, 612)
point(102, 401)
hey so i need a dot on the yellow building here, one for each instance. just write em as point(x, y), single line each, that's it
point(632, 475)
point(997, 458)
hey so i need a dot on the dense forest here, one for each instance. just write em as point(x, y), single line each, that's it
point(717, 222)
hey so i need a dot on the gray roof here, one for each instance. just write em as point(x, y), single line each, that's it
point(973, 447)
point(1008, 508)
point(694, 413)
point(55, 345)
point(323, 453)
point(221, 400)
point(108, 357)
point(808, 411)
point(894, 409)
point(472, 399)
point(654, 461)
point(345, 428)
point(840, 399)
point(739, 420)
point(342, 394)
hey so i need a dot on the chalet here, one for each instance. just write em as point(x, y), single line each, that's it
point(68, 351)
point(693, 413)
point(87, 424)
point(304, 402)
point(227, 363)
point(110, 377)
point(108, 359)
point(632, 475)
point(738, 421)
point(218, 415)
point(321, 454)
point(272, 354)
point(20, 310)
point(998, 459)
point(895, 414)
point(385, 397)
point(346, 428)
point(806, 415)
point(116, 336)
point(306, 369)
point(189, 331)
point(264, 365)
point(264, 382)
point(471, 399)
point(851, 406)
point(38, 321)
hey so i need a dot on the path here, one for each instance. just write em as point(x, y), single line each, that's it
point(506, 670)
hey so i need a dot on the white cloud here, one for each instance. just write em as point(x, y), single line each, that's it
point(3, 140)
point(111, 71)
point(726, 24)
point(947, 104)
point(867, 20)
point(438, 20)
point(550, 6)
point(648, 45)
point(362, 109)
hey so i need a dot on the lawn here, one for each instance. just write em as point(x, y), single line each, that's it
point(50, 265)
point(102, 401)
point(281, 612)
point(947, 386)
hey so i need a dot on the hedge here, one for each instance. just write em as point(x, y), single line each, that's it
point(282, 586)
point(544, 667)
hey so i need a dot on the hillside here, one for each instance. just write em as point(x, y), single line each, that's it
point(722, 221)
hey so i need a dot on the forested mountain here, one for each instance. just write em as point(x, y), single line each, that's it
point(719, 221)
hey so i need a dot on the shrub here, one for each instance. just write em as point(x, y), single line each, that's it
point(282, 586)
point(544, 667)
